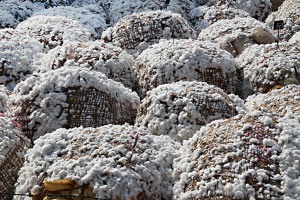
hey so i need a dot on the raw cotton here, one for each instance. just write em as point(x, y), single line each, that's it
point(252, 156)
point(13, 146)
point(115, 63)
point(263, 67)
point(18, 51)
point(52, 3)
point(82, 14)
point(180, 109)
point(70, 97)
point(235, 35)
point(3, 98)
point(258, 9)
point(170, 61)
point(139, 30)
point(54, 31)
point(203, 16)
point(122, 8)
point(289, 13)
point(13, 12)
point(118, 162)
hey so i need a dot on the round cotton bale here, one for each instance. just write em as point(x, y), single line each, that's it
point(139, 30)
point(289, 13)
point(263, 67)
point(245, 157)
point(13, 146)
point(203, 16)
point(180, 109)
point(121, 8)
point(110, 162)
point(82, 14)
point(70, 97)
point(115, 63)
point(238, 33)
point(18, 51)
point(277, 102)
point(54, 31)
point(171, 61)
point(258, 9)
point(14, 12)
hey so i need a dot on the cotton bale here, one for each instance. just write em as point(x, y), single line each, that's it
point(13, 146)
point(171, 61)
point(18, 51)
point(263, 67)
point(182, 108)
point(70, 97)
point(115, 63)
point(117, 162)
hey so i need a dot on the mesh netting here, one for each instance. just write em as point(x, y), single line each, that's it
point(233, 159)
point(150, 26)
point(180, 109)
point(185, 60)
point(93, 103)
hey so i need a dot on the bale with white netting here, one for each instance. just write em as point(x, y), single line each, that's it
point(54, 31)
point(110, 162)
point(235, 35)
point(180, 109)
point(263, 67)
point(120, 8)
point(258, 9)
point(289, 13)
point(13, 146)
point(139, 30)
point(70, 97)
point(250, 156)
point(18, 51)
point(203, 16)
point(115, 63)
point(82, 14)
point(278, 101)
point(171, 61)
point(14, 12)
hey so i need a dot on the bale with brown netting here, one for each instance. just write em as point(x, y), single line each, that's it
point(13, 146)
point(171, 61)
point(263, 67)
point(116, 162)
point(54, 31)
point(235, 35)
point(18, 51)
point(180, 109)
point(138, 30)
point(70, 97)
point(115, 63)
point(250, 156)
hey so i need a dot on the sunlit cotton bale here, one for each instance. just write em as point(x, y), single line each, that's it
point(171, 61)
point(13, 146)
point(13, 12)
point(54, 31)
point(258, 9)
point(121, 8)
point(203, 16)
point(82, 14)
point(115, 162)
point(139, 30)
point(180, 109)
point(263, 67)
point(115, 63)
point(250, 156)
point(235, 35)
point(279, 101)
point(289, 13)
point(70, 97)
point(17, 54)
